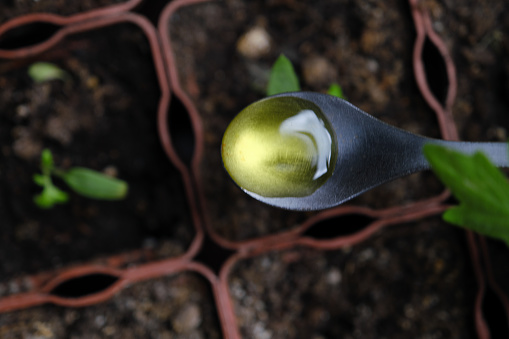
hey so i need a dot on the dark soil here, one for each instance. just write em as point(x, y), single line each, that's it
point(477, 33)
point(13, 8)
point(357, 50)
point(104, 118)
point(409, 281)
point(171, 307)
point(425, 289)
point(498, 252)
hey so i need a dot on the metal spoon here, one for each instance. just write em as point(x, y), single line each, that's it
point(369, 153)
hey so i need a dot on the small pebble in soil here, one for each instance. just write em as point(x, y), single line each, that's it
point(24, 145)
point(110, 171)
point(100, 321)
point(108, 331)
point(255, 43)
point(43, 330)
point(260, 332)
point(334, 276)
point(92, 82)
point(187, 319)
point(372, 65)
point(14, 287)
point(318, 71)
point(23, 111)
point(497, 133)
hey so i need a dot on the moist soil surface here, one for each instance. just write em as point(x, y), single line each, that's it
point(367, 48)
point(103, 117)
point(407, 281)
point(327, 44)
point(180, 306)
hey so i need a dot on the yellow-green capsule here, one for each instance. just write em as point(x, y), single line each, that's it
point(280, 147)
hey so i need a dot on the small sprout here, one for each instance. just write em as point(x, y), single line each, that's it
point(83, 181)
point(45, 71)
point(336, 90)
point(50, 194)
point(481, 188)
point(282, 77)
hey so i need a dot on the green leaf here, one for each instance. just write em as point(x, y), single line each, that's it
point(93, 184)
point(336, 90)
point(282, 77)
point(45, 71)
point(481, 188)
point(39, 179)
point(473, 179)
point(50, 195)
point(490, 224)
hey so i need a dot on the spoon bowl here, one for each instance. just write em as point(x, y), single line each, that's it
point(368, 151)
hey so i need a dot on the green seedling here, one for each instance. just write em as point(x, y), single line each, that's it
point(336, 90)
point(283, 79)
point(84, 181)
point(45, 71)
point(480, 187)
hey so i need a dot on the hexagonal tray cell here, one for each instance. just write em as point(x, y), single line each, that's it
point(102, 116)
point(13, 9)
point(411, 280)
point(179, 306)
point(478, 37)
point(356, 48)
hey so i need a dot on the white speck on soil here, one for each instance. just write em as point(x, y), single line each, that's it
point(188, 319)
point(334, 277)
point(255, 43)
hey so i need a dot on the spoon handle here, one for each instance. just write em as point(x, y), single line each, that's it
point(497, 152)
